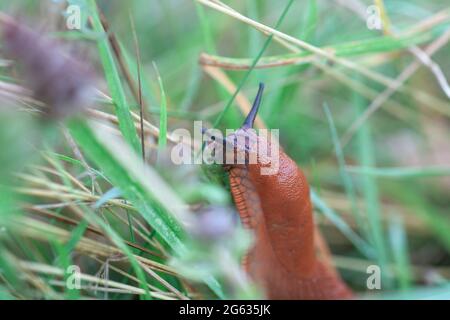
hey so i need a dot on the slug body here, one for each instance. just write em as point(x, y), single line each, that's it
point(277, 207)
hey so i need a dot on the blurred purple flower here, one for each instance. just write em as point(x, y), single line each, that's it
point(214, 223)
point(55, 78)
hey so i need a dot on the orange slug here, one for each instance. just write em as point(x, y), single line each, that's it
point(277, 208)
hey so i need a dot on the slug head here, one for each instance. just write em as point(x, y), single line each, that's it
point(246, 147)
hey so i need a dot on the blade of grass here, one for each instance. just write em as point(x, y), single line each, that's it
point(346, 178)
point(76, 162)
point(398, 240)
point(310, 22)
point(191, 91)
point(276, 102)
point(348, 49)
point(365, 149)
point(401, 172)
point(128, 175)
point(130, 227)
point(118, 241)
point(422, 293)
point(206, 28)
point(113, 79)
point(255, 61)
point(255, 39)
point(4, 294)
point(140, 100)
point(140, 184)
point(64, 260)
point(347, 63)
point(341, 225)
point(108, 195)
point(413, 200)
point(132, 67)
point(208, 42)
point(162, 140)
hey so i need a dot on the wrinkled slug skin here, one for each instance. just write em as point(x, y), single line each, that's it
point(278, 209)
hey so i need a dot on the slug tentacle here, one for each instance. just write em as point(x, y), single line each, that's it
point(250, 120)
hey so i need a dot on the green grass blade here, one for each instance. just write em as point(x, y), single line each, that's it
point(162, 139)
point(117, 240)
point(310, 23)
point(108, 195)
point(206, 28)
point(140, 184)
point(341, 225)
point(401, 172)
point(398, 240)
point(347, 49)
point(365, 149)
point(131, 64)
point(433, 218)
point(113, 79)
point(254, 63)
point(422, 293)
point(4, 294)
point(346, 179)
point(127, 177)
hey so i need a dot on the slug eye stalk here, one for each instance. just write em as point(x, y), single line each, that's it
point(250, 120)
